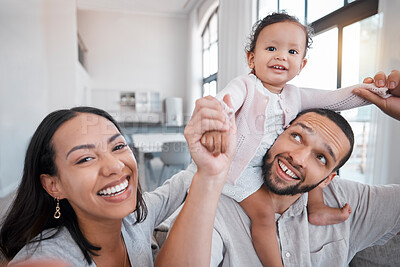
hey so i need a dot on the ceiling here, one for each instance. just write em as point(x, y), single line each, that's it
point(159, 7)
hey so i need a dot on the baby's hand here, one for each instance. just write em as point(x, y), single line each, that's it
point(215, 142)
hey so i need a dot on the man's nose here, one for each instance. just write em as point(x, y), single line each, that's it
point(111, 164)
point(300, 156)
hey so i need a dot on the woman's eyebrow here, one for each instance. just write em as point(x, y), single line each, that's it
point(91, 146)
point(86, 146)
point(112, 138)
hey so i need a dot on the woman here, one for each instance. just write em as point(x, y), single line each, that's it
point(79, 199)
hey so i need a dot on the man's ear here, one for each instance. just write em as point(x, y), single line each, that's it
point(328, 180)
point(250, 60)
point(52, 185)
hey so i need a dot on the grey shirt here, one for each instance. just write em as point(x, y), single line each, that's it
point(374, 220)
point(161, 203)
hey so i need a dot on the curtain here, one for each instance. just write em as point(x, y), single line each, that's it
point(236, 18)
point(386, 168)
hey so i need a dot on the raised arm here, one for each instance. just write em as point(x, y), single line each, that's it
point(189, 241)
point(391, 105)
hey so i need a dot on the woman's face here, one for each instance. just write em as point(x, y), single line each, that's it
point(97, 171)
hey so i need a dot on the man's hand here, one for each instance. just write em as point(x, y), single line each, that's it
point(392, 82)
point(390, 105)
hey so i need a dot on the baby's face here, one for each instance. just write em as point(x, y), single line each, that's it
point(279, 54)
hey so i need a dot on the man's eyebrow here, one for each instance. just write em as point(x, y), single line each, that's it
point(305, 127)
point(310, 130)
point(91, 146)
point(330, 151)
point(86, 146)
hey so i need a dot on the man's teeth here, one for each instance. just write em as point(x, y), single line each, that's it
point(287, 170)
point(114, 190)
point(278, 67)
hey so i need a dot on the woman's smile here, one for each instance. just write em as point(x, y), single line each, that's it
point(117, 193)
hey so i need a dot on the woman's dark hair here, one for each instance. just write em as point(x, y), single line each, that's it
point(33, 208)
point(276, 18)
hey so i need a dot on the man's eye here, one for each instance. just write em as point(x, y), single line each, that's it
point(119, 147)
point(84, 160)
point(271, 49)
point(296, 137)
point(322, 159)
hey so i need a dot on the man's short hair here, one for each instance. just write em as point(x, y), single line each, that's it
point(340, 122)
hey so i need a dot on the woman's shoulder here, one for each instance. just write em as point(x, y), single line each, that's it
point(54, 244)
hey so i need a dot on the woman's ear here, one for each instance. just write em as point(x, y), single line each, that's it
point(52, 185)
point(328, 180)
point(250, 60)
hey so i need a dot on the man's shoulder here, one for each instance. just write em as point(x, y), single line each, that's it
point(341, 191)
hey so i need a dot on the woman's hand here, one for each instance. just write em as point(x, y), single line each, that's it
point(209, 115)
point(390, 105)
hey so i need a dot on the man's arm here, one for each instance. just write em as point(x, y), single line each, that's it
point(376, 212)
point(391, 105)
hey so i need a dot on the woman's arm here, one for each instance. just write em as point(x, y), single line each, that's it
point(189, 241)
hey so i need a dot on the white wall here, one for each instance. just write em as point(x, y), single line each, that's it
point(37, 68)
point(135, 52)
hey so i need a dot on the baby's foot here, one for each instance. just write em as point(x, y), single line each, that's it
point(324, 215)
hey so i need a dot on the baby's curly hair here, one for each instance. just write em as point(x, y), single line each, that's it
point(275, 18)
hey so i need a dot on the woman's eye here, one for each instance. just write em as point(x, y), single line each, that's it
point(296, 137)
point(322, 159)
point(119, 147)
point(84, 160)
point(293, 52)
point(271, 49)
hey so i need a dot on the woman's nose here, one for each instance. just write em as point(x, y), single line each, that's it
point(111, 165)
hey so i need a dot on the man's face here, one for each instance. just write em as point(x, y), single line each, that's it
point(304, 155)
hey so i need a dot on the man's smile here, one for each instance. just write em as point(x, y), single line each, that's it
point(286, 170)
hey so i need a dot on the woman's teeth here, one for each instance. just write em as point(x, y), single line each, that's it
point(114, 190)
point(287, 170)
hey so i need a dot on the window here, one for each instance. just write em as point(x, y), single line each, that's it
point(344, 44)
point(210, 55)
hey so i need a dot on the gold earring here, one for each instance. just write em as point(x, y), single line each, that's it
point(57, 214)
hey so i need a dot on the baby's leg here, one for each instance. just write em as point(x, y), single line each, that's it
point(259, 208)
point(320, 214)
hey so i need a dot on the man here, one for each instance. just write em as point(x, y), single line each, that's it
point(302, 244)
point(306, 155)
